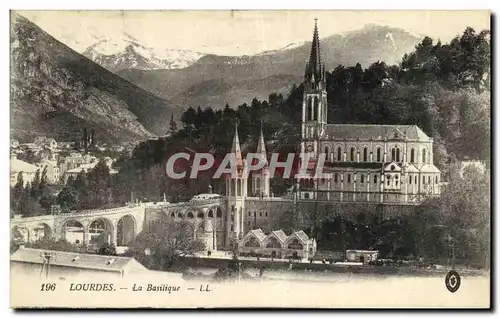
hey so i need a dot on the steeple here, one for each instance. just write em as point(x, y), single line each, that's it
point(236, 149)
point(261, 147)
point(260, 178)
point(314, 68)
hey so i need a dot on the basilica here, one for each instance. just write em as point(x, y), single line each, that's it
point(383, 169)
point(368, 163)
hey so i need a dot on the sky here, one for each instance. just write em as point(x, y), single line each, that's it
point(240, 32)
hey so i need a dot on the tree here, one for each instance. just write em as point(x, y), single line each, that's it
point(62, 245)
point(68, 198)
point(463, 211)
point(163, 244)
point(107, 249)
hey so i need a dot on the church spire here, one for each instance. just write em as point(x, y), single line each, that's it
point(314, 68)
point(236, 149)
point(261, 147)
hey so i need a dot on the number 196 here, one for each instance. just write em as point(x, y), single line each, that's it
point(48, 287)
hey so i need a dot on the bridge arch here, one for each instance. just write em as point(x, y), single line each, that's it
point(41, 231)
point(126, 228)
point(73, 231)
point(100, 231)
point(20, 233)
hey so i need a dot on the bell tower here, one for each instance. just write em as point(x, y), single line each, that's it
point(236, 191)
point(314, 103)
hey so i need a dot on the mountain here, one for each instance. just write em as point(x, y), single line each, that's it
point(56, 92)
point(370, 44)
point(126, 53)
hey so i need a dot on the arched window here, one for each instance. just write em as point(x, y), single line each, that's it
point(219, 213)
point(412, 155)
point(423, 179)
point(172, 214)
point(273, 243)
point(336, 177)
point(190, 215)
point(398, 157)
point(210, 214)
point(327, 154)
point(362, 179)
point(348, 178)
point(295, 245)
point(379, 157)
point(179, 215)
point(339, 154)
point(200, 215)
point(388, 180)
point(424, 156)
point(393, 154)
point(252, 242)
point(309, 109)
point(353, 154)
point(365, 154)
point(375, 179)
point(409, 180)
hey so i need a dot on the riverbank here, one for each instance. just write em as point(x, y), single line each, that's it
point(284, 266)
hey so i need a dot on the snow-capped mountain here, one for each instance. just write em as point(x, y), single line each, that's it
point(285, 48)
point(126, 53)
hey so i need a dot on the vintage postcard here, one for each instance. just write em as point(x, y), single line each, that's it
point(250, 159)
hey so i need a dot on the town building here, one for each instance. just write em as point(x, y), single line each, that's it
point(17, 166)
point(69, 265)
point(52, 170)
point(362, 256)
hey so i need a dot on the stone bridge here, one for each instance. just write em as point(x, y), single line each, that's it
point(116, 226)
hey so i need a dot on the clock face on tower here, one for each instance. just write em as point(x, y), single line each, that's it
point(310, 148)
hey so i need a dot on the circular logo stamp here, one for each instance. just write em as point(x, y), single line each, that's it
point(452, 281)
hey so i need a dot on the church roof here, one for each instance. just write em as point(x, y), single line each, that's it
point(259, 234)
point(429, 168)
point(374, 132)
point(280, 235)
point(354, 165)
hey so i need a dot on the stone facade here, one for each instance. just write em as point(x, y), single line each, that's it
point(362, 163)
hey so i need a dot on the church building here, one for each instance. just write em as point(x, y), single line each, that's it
point(364, 163)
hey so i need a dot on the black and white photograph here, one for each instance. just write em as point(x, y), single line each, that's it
point(325, 159)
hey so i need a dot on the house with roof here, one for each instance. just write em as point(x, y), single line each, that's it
point(277, 244)
point(17, 166)
point(69, 265)
point(44, 142)
point(53, 175)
